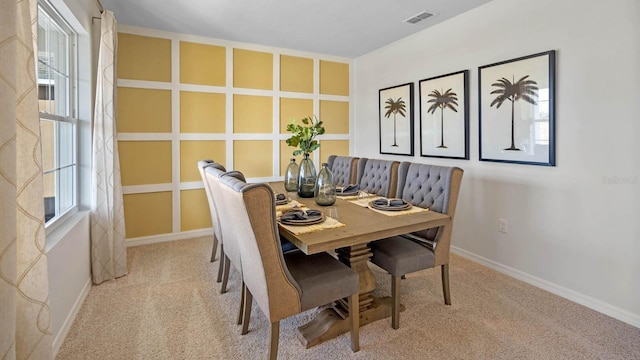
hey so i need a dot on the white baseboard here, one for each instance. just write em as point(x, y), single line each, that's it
point(595, 304)
point(154, 239)
point(66, 326)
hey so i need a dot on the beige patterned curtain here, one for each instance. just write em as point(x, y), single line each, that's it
point(108, 248)
point(24, 290)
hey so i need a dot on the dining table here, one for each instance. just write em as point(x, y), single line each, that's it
point(359, 226)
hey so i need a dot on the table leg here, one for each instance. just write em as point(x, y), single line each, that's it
point(331, 322)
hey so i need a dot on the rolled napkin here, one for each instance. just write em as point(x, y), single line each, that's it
point(280, 197)
point(390, 202)
point(350, 188)
point(300, 215)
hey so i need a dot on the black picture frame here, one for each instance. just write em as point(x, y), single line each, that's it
point(529, 121)
point(396, 120)
point(437, 95)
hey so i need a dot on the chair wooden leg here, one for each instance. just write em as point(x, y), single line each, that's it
point(225, 274)
point(248, 299)
point(395, 302)
point(221, 265)
point(241, 308)
point(274, 337)
point(354, 318)
point(445, 284)
point(215, 248)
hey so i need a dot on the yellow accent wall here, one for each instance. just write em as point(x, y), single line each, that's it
point(202, 112)
point(253, 157)
point(252, 69)
point(144, 58)
point(335, 116)
point(334, 78)
point(144, 110)
point(194, 210)
point(192, 151)
point(252, 114)
point(294, 108)
point(148, 213)
point(227, 102)
point(296, 74)
point(333, 147)
point(202, 64)
point(145, 162)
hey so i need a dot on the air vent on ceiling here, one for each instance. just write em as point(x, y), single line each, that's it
point(419, 17)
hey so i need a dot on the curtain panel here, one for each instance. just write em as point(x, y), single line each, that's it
point(24, 293)
point(108, 248)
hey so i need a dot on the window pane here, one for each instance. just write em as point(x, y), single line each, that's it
point(61, 93)
point(49, 195)
point(48, 135)
point(65, 144)
point(59, 50)
point(66, 185)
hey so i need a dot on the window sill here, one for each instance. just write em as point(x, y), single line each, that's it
point(62, 229)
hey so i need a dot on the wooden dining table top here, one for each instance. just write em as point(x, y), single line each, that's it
point(362, 225)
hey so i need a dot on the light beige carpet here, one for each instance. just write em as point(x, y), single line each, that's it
point(169, 307)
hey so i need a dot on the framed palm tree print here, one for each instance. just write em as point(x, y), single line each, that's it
point(517, 110)
point(395, 105)
point(444, 116)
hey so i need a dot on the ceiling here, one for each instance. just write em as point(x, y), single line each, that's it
point(345, 28)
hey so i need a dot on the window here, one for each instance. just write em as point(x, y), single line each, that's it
point(57, 102)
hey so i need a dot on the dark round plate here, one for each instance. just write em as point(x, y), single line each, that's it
point(305, 222)
point(407, 206)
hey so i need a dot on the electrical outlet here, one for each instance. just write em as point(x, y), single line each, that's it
point(503, 225)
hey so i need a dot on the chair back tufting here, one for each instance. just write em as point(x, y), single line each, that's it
point(344, 169)
point(430, 186)
point(378, 176)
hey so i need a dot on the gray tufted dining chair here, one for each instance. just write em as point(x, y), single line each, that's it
point(425, 186)
point(344, 169)
point(202, 164)
point(230, 254)
point(282, 284)
point(378, 177)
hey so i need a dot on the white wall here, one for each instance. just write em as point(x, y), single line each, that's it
point(69, 274)
point(569, 231)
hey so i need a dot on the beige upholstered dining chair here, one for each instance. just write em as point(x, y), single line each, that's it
point(426, 186)
point(378, 177)
point(282, 284)
point(344, 169)
point(202, 164)
point(230, 254)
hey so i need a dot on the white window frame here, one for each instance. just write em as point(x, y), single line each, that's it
point(72, 106)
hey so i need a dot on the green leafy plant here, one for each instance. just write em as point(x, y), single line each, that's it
point(303, 136)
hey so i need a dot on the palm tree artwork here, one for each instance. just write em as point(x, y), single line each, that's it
point(395, 107)
point(523, 89)
point(442, 100)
